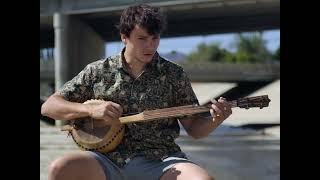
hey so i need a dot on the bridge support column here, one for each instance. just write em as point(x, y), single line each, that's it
point(76, 45)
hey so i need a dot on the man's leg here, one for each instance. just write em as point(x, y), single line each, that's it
point(80, 165)
point(185, 170)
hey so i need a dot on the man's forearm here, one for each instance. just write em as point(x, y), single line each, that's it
point(58, 108)
point(199, 126)
point(202, 126)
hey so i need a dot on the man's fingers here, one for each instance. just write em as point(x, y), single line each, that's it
point(115, 110)
point(108, 117)
point(112, 112)
point(116, 107)
point(220, 108)
point(217, 109)
point(225, 105)
point(213, 113)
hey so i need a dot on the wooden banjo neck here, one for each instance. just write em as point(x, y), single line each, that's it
point(148, 115)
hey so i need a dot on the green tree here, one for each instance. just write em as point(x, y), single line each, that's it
point(276, 55)
point(230, 57)
point(251, 48)
point(205, 52)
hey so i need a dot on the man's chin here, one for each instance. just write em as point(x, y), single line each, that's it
point(147, 59)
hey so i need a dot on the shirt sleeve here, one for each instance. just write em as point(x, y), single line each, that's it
point(183, 92)
point(80, 88)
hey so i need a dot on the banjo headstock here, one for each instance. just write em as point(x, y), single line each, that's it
point(255, 101)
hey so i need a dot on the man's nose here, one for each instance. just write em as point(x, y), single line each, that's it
point(151, 44)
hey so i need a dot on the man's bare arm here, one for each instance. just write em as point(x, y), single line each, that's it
point(56, 107)
point(199, 127)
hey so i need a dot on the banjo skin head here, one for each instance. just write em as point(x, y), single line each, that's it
point(95, 135)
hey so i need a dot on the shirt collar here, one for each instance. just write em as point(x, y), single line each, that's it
point(153, 65)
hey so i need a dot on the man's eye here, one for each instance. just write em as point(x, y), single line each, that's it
point(142, 38)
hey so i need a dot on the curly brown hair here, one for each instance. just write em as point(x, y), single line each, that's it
point(148, 17)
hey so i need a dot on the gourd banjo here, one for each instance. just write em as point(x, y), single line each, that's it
point(96, 135)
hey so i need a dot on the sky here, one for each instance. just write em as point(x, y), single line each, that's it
point(188, 44)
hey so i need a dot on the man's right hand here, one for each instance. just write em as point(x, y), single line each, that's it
point(108, 111)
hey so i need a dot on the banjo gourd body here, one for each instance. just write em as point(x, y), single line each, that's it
point(95, 135)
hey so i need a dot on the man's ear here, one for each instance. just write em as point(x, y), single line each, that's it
point(123, 38)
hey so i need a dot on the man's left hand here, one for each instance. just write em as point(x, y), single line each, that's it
point(221, 110)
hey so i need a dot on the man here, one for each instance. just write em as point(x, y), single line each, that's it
point(135, 80)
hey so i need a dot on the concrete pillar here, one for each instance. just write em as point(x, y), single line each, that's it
point(61, 60)
point(76, 45)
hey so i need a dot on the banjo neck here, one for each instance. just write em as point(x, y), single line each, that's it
point(149, 115)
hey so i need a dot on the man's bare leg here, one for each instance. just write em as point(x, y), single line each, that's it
point(189, 171)
point(80, 166)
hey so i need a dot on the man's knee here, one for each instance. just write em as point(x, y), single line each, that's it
point(75, 166)
point(57, 167)
point(186, 171)
point(69, 165)
point(202, 177)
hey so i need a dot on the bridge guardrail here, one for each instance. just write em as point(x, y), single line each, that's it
point(210, 72)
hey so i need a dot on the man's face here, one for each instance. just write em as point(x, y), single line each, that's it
point(141, 46)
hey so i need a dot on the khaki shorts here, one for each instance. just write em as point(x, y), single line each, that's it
point(139, 167)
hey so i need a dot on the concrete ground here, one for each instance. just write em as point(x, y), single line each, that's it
point(237, 154)
point(228, 153)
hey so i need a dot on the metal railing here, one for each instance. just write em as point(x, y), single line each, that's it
point(206, 72)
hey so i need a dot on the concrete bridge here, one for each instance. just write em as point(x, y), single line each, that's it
point(78, 30)
point(204, 72)
point(185, 17)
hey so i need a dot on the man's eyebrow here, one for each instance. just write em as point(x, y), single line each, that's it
point(142, 36)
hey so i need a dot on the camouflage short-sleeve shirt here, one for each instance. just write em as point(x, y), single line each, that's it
point(162, 84)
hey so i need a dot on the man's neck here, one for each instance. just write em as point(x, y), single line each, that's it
point(134, 66)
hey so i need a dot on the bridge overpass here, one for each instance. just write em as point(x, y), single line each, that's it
point(78, 30)
point(205, 72)
point(185, 17)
